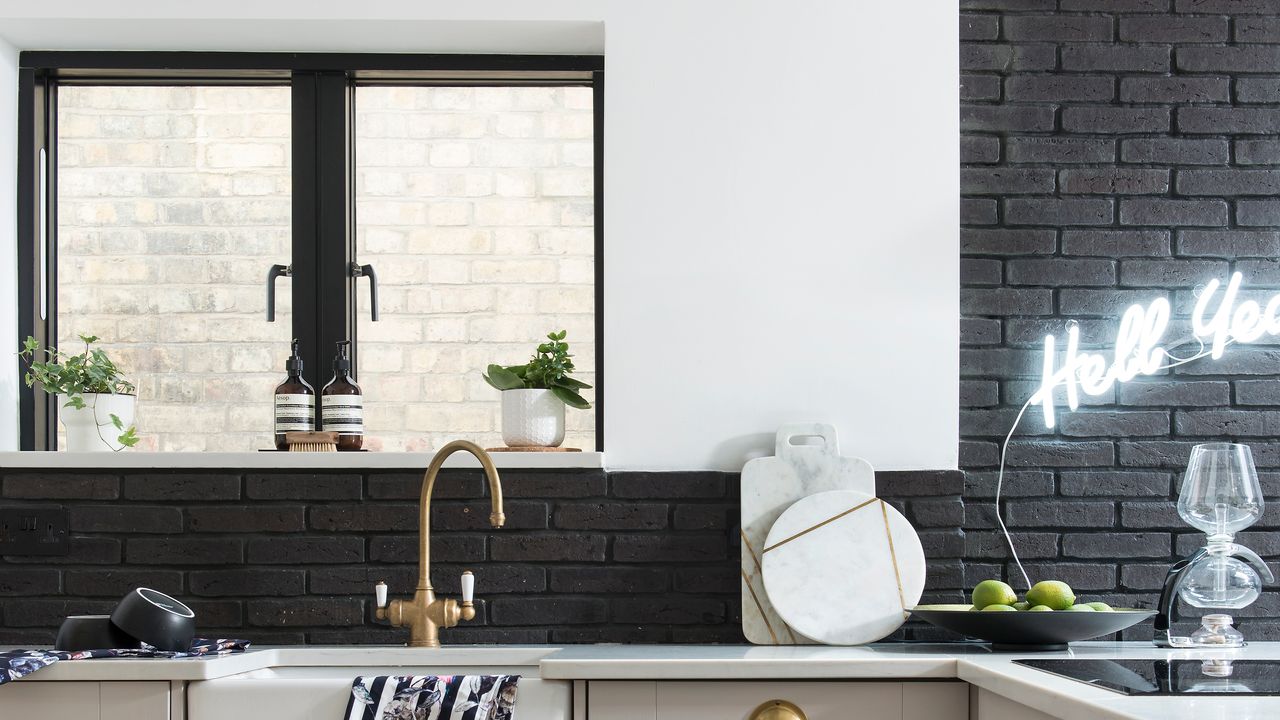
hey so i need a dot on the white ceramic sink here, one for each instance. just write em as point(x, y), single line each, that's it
point(321, 687)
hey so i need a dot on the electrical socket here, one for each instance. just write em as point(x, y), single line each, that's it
point(34, 530)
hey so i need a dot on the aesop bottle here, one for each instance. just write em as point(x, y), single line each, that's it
point(295, 401)
point(342, 405)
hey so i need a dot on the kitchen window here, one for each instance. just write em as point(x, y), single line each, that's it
point(157, 190)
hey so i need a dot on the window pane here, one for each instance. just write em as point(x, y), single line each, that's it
point(172, 203)
point(475, 205)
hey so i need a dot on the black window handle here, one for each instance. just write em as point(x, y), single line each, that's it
point(358, 270)
point(274, 272)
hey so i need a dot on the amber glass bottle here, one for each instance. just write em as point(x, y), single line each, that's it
point(295, 401)
point(342, 404)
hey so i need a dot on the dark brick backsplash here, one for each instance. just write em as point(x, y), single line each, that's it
point(1128, 148)
point(586, 556)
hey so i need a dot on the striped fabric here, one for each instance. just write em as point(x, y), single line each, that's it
point(433, 697)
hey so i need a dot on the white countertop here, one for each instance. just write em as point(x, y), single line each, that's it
point(971, 663)
point(130, 459)
point(265, 658)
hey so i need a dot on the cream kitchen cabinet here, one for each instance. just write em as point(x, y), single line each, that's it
point(149, 700)
point(990, 706)
point(819, 700)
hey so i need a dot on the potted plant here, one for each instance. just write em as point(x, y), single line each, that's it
point(97, 402)
point(534, 395)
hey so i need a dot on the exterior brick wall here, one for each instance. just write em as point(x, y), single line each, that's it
point(475, 205)
point(279, 557)
point(1112, 152)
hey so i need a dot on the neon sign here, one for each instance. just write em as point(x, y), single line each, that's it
point(1138, 349)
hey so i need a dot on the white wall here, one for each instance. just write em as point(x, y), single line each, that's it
point(8, 243)
point(781, 188)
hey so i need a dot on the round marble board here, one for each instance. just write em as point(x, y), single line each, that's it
point(843, 567)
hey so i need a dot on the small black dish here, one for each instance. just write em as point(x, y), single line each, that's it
point(92, 632)
point(156, 619)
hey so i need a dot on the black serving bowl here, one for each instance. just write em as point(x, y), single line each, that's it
point(92, 632)
point(1025, 631)
point(156, 619)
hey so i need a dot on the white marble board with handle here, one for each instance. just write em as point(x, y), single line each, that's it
point(806, 460)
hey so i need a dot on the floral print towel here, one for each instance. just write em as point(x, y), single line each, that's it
point(18, 663)
point(433, 697)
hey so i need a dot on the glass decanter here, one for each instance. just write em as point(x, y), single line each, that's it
point(1220, 496)
point(1220, 493)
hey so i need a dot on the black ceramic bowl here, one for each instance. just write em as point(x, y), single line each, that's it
point(156, 619)
point(92, 632)
point(1027, 630)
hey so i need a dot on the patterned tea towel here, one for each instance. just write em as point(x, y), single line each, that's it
point(433, 697)
point(18, 663)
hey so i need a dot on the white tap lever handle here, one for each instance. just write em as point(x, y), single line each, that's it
point(468, 586)
point(380, 594)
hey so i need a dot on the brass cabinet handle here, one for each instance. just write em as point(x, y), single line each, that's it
point(778, 710)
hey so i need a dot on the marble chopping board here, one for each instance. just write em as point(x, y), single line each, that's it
point(842, 567)
point(806, 460)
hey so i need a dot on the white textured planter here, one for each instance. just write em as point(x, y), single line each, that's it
point(89, 429)
point(532, 418)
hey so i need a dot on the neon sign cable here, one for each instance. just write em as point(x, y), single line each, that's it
point(1138, 351)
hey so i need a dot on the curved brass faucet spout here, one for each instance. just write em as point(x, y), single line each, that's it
point(426, 614)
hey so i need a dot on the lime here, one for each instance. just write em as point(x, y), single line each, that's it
point(998, 608)
point(1054, 593)
point(1080, 608)
point(993, 592)
point(1022, 606)
point(1041, 608)
point(1101, 607)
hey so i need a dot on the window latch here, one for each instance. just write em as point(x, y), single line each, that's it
point(274, 272)
point(358, 270)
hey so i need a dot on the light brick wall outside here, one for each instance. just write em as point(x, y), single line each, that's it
point(475, 205)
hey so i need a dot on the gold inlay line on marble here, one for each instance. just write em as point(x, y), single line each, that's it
point(763, 615)
point(750, 550)
point(828, 521)
point(897, 576)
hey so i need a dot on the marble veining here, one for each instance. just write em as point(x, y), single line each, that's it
point(769, 486)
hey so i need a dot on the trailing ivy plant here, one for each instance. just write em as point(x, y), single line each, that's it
point(90, 372)
point(548, 369)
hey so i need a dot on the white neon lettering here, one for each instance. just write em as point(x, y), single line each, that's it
point(1137, 346)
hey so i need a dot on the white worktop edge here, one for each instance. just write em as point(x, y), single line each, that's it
point(973, 664)
point(48, 460)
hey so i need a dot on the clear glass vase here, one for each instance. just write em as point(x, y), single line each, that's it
point(1220, 492)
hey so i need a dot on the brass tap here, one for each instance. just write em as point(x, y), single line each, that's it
point(425, 614)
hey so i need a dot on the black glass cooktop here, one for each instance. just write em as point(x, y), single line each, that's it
point(1170, 677)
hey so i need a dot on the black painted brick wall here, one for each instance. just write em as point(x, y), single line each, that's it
point(281, 557)
point(1112, 151)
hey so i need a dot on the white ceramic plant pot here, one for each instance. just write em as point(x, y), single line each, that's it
point(532, 418)
point(89, 429)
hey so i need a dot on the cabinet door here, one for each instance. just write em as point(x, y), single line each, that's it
point(935, 701)
point(34, 699)
point(990, 706)
point(89, 700)
point(134, 701)
point(818, 700)
point(842, 700)
point(631, 700)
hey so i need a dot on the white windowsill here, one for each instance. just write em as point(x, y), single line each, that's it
point(288, 460)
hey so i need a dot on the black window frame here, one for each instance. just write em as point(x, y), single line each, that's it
point(323, 223)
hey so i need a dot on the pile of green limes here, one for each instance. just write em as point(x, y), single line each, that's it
point(1044, 596)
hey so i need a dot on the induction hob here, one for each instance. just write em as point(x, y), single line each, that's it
point(1169, 677)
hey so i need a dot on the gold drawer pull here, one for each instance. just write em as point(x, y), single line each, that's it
point(778, 710)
